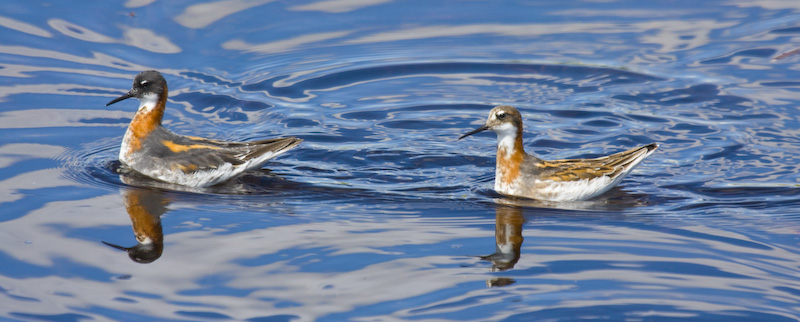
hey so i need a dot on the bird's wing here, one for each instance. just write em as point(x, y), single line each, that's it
point(191, 154)
point(578, 169)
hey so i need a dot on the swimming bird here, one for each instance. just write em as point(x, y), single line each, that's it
point(520, 174)
point(158, 153)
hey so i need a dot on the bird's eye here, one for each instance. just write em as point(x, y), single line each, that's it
point(144, 83)
point(501, 116)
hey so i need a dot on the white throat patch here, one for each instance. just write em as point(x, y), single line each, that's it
point(148, 102)
point(506, 136)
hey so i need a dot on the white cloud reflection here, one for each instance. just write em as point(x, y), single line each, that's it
point(282, 45)
point(24, 27)
point(15, 152)
point(98, 59)
point(138, 3)
point(338, 6)
point(50, 118)
point(10, 188)
point(201, 15)
point(46, 178)
point(78, 32)
point(137, 37)
point(768, 4)
point(670, 32)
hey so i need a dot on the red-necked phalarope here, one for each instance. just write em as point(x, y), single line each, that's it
point(156, 152)
point(523, 175)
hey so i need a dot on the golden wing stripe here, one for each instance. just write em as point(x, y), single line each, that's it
point(175, 147)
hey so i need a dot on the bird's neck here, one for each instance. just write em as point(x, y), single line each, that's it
point(151, 109)
point(147, 119)
point(510, 154)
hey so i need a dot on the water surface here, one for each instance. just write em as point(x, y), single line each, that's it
point(381, 214)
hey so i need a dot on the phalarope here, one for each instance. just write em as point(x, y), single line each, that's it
point(523, 175)
point(156, 152)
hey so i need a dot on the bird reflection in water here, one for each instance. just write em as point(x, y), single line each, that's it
point(509, 219)
point(145, 207)
point(508, 240)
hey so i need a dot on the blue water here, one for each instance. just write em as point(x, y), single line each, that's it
point(381, 214)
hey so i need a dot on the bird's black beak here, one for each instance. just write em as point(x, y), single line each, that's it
point(123, 97)
point(116, 246)
point(480, 129)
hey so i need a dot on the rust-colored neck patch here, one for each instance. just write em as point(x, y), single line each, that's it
point(144, 122)
point(509, 161)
